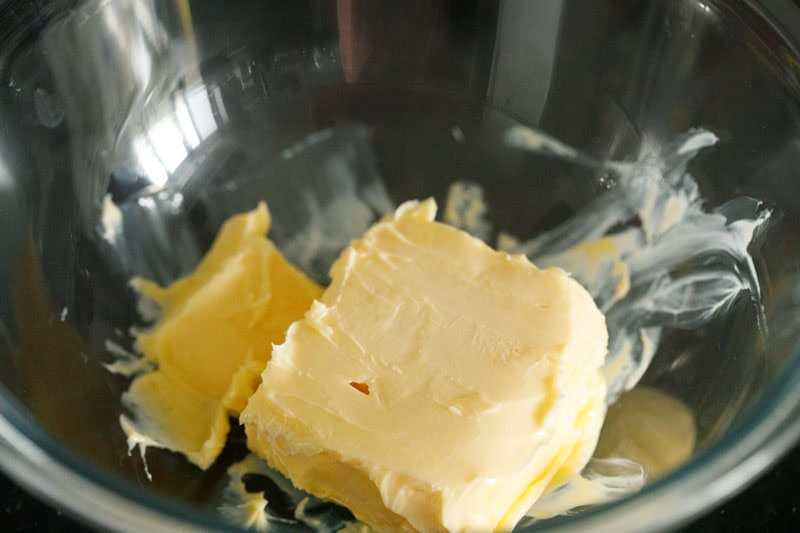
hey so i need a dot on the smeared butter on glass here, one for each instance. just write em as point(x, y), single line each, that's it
point(212, 340)
point(651, 428)
point(257, 497)
point(437, 384)
point(646, 434)
point(648, 250)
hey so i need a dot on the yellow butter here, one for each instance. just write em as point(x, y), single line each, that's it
point(213, 338)
point(437, 384)
point(649, 427)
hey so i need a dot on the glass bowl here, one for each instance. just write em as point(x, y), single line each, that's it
point(182, 113)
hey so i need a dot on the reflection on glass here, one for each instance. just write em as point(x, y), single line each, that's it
point(187, 119)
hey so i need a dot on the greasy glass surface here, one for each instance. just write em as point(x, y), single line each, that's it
point(199, 99)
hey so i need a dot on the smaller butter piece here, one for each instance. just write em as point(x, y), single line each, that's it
point(212, 340)
point(437, 384)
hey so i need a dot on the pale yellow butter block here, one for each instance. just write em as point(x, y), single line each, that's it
point(213, 339)
point(437, 384)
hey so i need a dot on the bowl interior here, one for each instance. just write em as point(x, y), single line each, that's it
point(182, 113)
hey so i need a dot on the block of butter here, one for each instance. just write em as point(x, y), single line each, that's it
point(437, 384)
point(212, 340)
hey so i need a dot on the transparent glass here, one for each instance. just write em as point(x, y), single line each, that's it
point(198, 99)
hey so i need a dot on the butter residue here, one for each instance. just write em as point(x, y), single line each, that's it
point(651, 428)
point(250, 507)
point(437, 384)
point(110, 219)
point(332, 225)
point(465, 209)
point(126, 363)
point(601, 481)
point(212, 340)
point(646, 434)
point(674, 263)
point(242, 507)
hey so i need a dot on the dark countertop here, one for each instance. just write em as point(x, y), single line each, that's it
point(771, 504)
